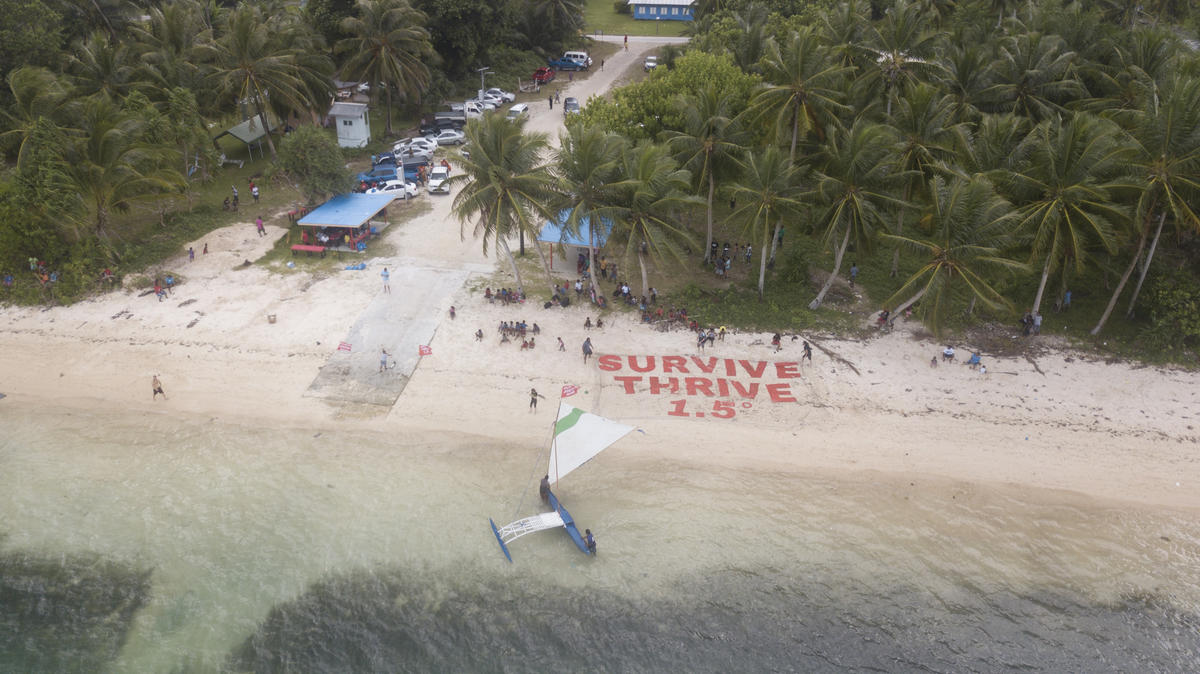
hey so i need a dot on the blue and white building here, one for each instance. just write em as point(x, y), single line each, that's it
point(663, 10)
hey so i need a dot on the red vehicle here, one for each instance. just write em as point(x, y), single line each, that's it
point(543, 75)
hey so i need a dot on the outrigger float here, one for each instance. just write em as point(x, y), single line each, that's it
point(578, 436)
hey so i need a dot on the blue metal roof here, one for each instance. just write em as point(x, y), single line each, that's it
point(347, 210)
point(555, 232)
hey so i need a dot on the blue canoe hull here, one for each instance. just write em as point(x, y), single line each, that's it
point(569, 524)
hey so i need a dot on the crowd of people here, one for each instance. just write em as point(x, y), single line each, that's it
point(505, 295)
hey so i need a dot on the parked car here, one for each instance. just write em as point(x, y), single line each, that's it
point(650, 64)
point(400, 188)
point(518, 111)
point(503, 95)
point(437, 180)
point(379, 174)
point(436, 126)
point(490, 101)
point(580, 56)
point(543, 75)
point(416, 145)
point(567, 64)
point(450, 137)
point(571, 106)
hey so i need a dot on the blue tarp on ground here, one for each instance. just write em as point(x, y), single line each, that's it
point(347, 210)
point(555, 232)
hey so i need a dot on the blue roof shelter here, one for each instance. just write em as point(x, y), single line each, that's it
point(556, 231)
point(351, 212)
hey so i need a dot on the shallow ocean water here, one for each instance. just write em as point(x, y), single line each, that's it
point(153, 544)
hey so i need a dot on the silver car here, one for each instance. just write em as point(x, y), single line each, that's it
point(450, 137)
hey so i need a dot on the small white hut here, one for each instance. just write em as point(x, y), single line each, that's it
point(353, 124)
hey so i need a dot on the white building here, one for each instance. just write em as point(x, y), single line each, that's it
point(353, 124)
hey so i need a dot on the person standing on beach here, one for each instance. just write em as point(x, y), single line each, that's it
point(853, 273)
point(807, 352)
point(258, 224)
point(254, 192)
point(587, 349)
point(544, 488)
point(191, 254)
point(590, 541)
point(383, 359)
point(561, 345)
point(156, 386)
point(1037, 323)
point(387, 285)
point(206, 248)
point(550, 99)
point(533, 398)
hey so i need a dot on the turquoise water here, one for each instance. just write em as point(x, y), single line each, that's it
point(155, 544)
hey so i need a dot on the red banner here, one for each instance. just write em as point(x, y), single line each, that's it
point(424, 350)
point(569, 390)
point(344, 346)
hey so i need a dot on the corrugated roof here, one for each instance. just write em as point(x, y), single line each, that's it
point(341, 109)
point(347, 210)
point(250, 130)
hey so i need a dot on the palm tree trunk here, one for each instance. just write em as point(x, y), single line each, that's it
point(899, 231)
point(387, 95)
point(762, 268)
point(908, 303)
point(645, 277)
point(1112, 301)
point(545, 265)
point(795, 135)
point(837, 265)
point(1162, 217)
point(1037, 301)
point(262, 118)
point(512, 261)
point(712, 187)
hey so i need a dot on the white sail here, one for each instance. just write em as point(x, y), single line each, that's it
point(578, 436)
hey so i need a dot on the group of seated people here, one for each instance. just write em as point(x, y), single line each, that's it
point(587, 323)
point(322, 237)
point(505, 295)
point(512, 330)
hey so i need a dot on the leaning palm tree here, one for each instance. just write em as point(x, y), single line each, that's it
point(388, 47)
point(969, 226)
point(769, 192)
point(708, 146)
point(587, 170)
point(102, 64)
point(253, 66)
point(506, 187)
point(166, 43)
point(802, 88)
point(1064, 189)
point(651, 189)
point(110, 167)
point(1166, 168)
point(854, 184)
point(927, 140)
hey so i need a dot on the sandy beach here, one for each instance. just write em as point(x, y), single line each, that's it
point(1059, 421)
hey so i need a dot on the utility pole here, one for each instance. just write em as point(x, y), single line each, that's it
point(482, 73)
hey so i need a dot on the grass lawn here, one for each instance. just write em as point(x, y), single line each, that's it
point(599, 15)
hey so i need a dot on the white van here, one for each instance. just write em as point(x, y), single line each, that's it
point(580, 56)
point(518, 111)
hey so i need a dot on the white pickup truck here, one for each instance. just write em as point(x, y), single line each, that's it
point(461, 111)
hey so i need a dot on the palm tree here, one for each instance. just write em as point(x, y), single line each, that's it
point(651, 189)
point(1167, 168)
point(927, 140)
point(167, 45)
point(752, 36)
point(1034, 76)
point(709, 145)
point(103, 65)
point(37, 94)
point(506, 187)
point(801, 90)
point(969, 225)
point(854, 182)
point(556, 18)
point(253, 66)
point(967, 74)
point(389, 47)
point(1064, 191)
point(768, 192)
point(110, 168)
point(587, 170)
point(902, 48)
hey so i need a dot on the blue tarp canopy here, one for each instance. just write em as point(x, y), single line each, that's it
point(556, 231)
point(347, 210)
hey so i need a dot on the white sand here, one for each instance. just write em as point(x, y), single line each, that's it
point(1110, 431)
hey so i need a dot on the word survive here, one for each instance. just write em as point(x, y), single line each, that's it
point(697, 376)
